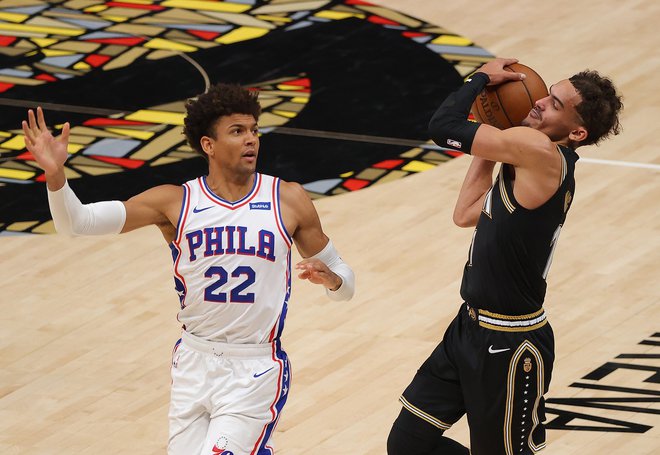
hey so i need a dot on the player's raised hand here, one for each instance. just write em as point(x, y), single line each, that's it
point(50, 152)
point(317, 272)
point(496, 72)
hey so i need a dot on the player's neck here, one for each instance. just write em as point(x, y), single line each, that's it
point(568, 143)
point(231, 187)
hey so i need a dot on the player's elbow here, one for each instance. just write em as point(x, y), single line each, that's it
point(464, 219)
point(66, 231)
point(440, 127)
point(448, 129)
point(65, 226)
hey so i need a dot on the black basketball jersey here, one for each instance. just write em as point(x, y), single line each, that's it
point(512, 246)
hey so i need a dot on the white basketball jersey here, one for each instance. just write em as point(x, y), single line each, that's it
point(232, 263)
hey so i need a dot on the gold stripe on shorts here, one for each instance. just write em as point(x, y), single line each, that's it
point(510, 443)
point(424, 416)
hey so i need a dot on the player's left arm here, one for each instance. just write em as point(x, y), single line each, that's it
point(322, 263)
point(449, 125)
point(478, 181)
point(531, 152)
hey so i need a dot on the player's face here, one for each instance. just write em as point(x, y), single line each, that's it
point(236, 143)
point(556, 114)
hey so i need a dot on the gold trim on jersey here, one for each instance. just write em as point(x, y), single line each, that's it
point(424, 416)
point(568, 197)
point(487, 207)
point(564, 166)
point(531, 350)
point(505, 196)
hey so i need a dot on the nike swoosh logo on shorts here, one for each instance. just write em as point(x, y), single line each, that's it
point(256, 375)
point(196, 210)
point(495, 351)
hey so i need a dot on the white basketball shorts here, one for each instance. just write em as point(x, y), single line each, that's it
point(226, 398)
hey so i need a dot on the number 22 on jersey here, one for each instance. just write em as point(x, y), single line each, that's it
point(236, 295)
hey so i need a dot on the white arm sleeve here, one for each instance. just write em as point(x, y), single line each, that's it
point(330, 257)
point(73, 218)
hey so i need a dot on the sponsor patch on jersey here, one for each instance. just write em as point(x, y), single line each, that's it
point(259, 205)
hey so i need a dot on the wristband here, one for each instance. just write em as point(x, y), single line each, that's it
point(330, 257)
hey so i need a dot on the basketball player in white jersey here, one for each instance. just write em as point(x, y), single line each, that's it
point(230, 233)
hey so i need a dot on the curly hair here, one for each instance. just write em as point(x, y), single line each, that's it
point(219, 100)
point(600, 105)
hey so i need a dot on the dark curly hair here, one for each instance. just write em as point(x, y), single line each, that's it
point(219, 100)
point(600, 105)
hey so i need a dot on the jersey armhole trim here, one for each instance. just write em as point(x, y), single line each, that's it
point(278, 212)
point(564, 166)
point(510, 206)
point(183, 214)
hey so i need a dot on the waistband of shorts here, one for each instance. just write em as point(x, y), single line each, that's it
point(220, 349)
point(507, 323)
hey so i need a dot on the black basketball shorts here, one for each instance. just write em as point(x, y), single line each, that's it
point(496, 368)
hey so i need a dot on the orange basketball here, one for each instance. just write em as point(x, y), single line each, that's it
point(507, 105)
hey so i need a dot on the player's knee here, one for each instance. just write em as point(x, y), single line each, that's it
point(448, 446)
point(410, 435)
point(400, 442)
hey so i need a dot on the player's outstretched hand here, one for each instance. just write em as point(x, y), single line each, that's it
point(496, 72)
point(49, 152)
point(317, 272)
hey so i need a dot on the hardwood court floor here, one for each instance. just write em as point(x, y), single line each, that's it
point(88, 323)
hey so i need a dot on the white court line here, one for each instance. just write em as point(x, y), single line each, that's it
point(622, 163)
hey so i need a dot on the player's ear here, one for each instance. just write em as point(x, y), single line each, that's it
point(207, 145)
point(578, 134)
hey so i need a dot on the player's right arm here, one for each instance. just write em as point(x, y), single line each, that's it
point(158, 206)
point(322, 263)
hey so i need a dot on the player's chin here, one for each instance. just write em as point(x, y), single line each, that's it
point(247, 169)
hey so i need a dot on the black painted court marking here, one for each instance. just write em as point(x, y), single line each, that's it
point(297, 132)
point(357, 137)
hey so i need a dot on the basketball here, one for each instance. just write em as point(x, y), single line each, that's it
point(507, 105)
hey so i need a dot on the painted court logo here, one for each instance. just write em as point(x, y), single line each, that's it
point(287, 84)
point(259, 205)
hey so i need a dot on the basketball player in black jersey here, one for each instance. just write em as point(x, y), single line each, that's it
point(495, 361)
